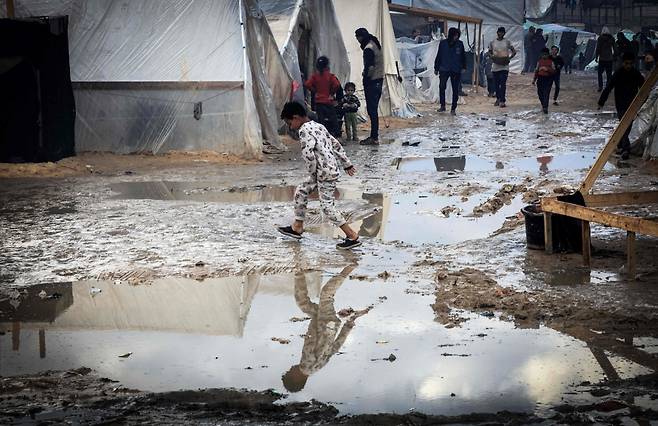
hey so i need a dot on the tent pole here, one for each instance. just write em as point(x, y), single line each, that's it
point(10, 9)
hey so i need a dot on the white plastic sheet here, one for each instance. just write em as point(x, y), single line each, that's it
point(309, 26)
point(374, 16)
point(536, 9)
point(142, 67)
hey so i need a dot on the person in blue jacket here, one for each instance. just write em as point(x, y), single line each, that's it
point(450, 62)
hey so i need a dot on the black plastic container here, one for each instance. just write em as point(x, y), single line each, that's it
point(534, 227)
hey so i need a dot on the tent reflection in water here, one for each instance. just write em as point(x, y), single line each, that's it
point(161, 75)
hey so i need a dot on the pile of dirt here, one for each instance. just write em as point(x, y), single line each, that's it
point(501, 198)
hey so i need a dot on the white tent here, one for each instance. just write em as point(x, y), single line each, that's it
point(161, 75)
point(494, 14)
point(643, 136)
point(305, 30)
point(374, 16)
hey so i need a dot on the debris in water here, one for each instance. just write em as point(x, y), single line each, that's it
point(448, 210)
point(299, 319)
point(381, 342)
point(383, 275)
point(345, 312)
point(54, 296)
point(94, 291)
point(390, 358)
point(200, 263)
point(280, 340)
point(43, 294)
point(460, 355)
point(126, 355)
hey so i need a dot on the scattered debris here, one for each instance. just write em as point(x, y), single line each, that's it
point(280, 340)
point(299, 319)
point(126, 355)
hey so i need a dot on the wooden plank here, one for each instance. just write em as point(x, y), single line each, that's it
point(548, 232)
point(621, 198)
point(156, 85)
point(623, 125)
point(587, 244)
point(630, 254)
point(627, 223)
point(434, 13)
point(11, 10)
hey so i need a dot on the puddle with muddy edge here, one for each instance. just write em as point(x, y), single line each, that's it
point(471, 163)
point(313, 335)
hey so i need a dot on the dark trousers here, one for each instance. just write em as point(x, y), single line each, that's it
point(556, 80)
point(528, 64)
point(544, 90)
point(455, 79)
point(491, 86)
point(500, 80)
point(624, 142)
point(604, 66)
point(373, 93)
point(327, 116)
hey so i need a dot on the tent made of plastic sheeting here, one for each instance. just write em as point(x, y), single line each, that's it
point(374, 16)
point(305, 30)
point(537, 9)
point(418, 60)
point(494, 14)
point(162, 75)
point(643, 136)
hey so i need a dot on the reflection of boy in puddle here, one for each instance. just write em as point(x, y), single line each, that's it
point(371, 225)
point(320, 342)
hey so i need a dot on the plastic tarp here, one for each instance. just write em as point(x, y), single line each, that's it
point(494, 14)
point(643, 136)
point(537, 9)
point(305, 30)
point(375, 17)
point(161, 75)
point(419, 79)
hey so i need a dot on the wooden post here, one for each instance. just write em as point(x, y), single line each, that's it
point(42, 343)
point(630, 254)
point(623, 125)
point(587, 245)
point(548, 232)
point(11, 13)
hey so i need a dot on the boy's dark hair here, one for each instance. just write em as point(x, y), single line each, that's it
point(322, 63)
point(349, 85)
point(555, 47)
point(292, 108)
point(545, 50)
point(628, 56)
point(501, 30)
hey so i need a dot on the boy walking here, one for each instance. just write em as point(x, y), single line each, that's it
point(502, 51)
point(321, 153)
point(558, 62)
point(626, 81)
point(544, 76)
point(449, 63)
point(350, 105)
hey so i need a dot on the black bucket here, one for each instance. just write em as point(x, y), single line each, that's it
point(534, 227)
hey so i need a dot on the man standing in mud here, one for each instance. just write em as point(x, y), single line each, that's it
point(502, 51)
point(450, 63)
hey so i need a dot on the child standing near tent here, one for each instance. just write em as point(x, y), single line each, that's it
point(558, 62)
point(350, 105)
point(626, 81)
point(322, 154)
point(544, 75)
point(324, 85)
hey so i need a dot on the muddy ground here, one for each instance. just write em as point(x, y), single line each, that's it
point(166, 275)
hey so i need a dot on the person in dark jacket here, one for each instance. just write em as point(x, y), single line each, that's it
point(527, 48)
point(324, 85)
point(558, 61)
point(538, 43)
point(626, 82)
point(450, 62)
point(606, 50)
point(373, 79)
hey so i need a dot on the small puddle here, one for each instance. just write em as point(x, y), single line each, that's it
point(417, 219)
point(471, 163)
point(210, 192)
point(261, 332)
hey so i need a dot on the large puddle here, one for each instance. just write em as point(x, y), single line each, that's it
point(363, 344)
point(471, 163)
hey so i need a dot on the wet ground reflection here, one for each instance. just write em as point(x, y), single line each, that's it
point(324, 336)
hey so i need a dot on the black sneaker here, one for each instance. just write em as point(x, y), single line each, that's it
point(453, 112)
point(625, 155)
point(442, 109)
point(289, 232)
point(348, 244)
point(555, 103)
point(369, 141)
point(545, 110)
point(497, 103)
